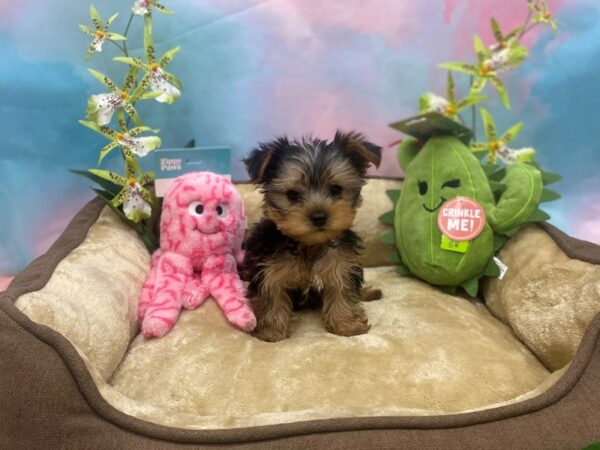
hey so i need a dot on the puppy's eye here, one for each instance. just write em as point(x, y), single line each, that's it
point(293, 196)
point(335, 190)
point(222, 210)
point(451, 183)
point(422, 187)
point(196, 209)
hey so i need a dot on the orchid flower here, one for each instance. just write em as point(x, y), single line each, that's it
point(100, 33)
point(135, 198)
point(498, 147)
point(129, 140)
point(144, 7)
point(449, 106)
point(101, 107)
point(542, 13)
point(163, 85)
point(490, 63)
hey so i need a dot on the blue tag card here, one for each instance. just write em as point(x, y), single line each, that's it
point(169, 164)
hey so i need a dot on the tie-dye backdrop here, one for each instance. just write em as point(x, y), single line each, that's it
point(253, 69)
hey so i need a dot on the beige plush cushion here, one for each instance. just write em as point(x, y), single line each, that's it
point(546, 297)
point(92, 296)
point(427, 352)
point(366, 224)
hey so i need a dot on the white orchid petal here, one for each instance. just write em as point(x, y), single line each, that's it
point(158, 83)
point(141, 146)
point(101, 107)
point(97, 44)
point(140, 7)
point(134, 206)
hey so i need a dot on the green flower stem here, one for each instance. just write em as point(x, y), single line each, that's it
point(125, 34)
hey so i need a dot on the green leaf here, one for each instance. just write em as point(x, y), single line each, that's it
point(450, 290)
point(550, 177)
point(499, 241)
point(539, 216)
point(115, 178)
point(394, 257)
point(105, 184)
point(387, 218)
point(497, 174)
point(471, 286)
point(491, 268)
point(512, 231)
point(388, 238)
point(393, 195)
point(190, 144)
point(110, 84)
point(460, 67)
point(404, 271)
point(496, 30)
point(549, 196)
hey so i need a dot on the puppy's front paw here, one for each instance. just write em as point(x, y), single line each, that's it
point(349, 328)
point(270, 334)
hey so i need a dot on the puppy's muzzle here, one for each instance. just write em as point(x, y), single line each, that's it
point(319, 218)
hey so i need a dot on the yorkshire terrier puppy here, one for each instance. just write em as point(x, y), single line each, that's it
point(303, 252)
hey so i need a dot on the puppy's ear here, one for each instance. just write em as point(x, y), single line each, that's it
point(360, 151)
point(261, 157)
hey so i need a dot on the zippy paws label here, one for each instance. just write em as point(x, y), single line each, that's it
point(461, 219)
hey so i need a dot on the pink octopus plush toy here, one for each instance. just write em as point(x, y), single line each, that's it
point(201, 232)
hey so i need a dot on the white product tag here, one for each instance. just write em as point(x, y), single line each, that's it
point(503, 267)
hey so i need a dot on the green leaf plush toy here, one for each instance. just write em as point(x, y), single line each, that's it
point(440, 166)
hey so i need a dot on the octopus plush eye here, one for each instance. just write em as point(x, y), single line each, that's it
point(222, 210)
point(196, 209)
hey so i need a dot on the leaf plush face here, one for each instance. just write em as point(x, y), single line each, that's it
point(444, 169)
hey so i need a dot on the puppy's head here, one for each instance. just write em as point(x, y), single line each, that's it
point(311, 187)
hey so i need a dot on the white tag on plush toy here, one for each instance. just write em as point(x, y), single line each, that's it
point(503, 267)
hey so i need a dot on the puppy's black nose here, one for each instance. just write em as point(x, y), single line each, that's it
point(318, 218)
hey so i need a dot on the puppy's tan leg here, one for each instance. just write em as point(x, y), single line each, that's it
point(273, 314)
point(369, 294)
point(342, 313)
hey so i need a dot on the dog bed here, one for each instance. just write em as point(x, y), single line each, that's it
point(519, 368)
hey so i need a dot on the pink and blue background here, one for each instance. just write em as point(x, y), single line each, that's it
point(254, 69)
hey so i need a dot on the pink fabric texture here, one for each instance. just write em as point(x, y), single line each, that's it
point(201, 233)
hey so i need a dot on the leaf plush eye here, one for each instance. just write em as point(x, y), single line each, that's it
point(222, 210)
point(422, 187)
point(451, 183)
point(196, 209)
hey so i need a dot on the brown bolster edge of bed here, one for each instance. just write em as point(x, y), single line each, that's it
point(49, 399)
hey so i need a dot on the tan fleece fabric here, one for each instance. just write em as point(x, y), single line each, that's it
point(92, 296)
point(426, 353)
point(546, 297)
point(366, 224)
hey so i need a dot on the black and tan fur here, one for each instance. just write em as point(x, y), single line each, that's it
point(303, 251)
